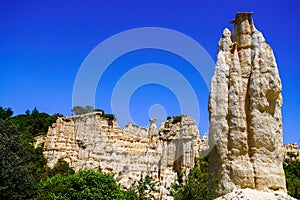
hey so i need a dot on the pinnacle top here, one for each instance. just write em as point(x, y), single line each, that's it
point(241, 16)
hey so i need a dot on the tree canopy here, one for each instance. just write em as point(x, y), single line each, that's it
point(79, 110)
point(16, 180)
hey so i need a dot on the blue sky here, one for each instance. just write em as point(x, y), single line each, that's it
point(43, 44)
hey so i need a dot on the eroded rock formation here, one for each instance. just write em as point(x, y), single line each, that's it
point(91, 141)
point(292, 152)
point(247, 194)
point(245, 112)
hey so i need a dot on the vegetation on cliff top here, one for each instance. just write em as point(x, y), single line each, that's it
point(176, 119)
point(78, 110)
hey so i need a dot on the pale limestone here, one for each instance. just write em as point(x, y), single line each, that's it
point(245, 112)
point(250, 194)
point(91, 141)
point(292, 152)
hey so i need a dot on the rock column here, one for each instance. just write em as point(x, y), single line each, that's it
point(245, 112)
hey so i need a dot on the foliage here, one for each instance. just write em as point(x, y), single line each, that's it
point(143, 188)
point(195, 186)
point(130, 194)
point(78, 110)
point(22, 165)
point(292, 174)
point(37, 162)
point(176, 119)
point(33, 124)
point(89, 109)
point(16, 180)
point(85, 184)
point(5, 113)
point(291, 154)
point(109, 116)
point(61, 167)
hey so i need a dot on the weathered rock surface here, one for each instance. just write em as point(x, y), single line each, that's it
point(245, 112)
point(292, 152)
point(247, 194)
point(91, 141)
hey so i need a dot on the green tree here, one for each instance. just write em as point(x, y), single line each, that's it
point(78, 110)
point(37, 163)
point(5, 113)
point(292, 174)
point(22, 166)
point(89, 109)
point(176, 119)
point(35, 112)
point(85, 184)
point(61, 167)
point(195, 186)
point(16, 180)
point(142, 189)
point(33, 124)
point(109, 116)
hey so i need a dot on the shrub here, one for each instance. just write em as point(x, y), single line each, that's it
point(292, 174)
point(195, 186)
point(85, 184)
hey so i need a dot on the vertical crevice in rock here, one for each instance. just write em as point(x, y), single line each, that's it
point(245, 112)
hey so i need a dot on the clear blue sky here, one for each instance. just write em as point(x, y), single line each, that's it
point(43, 43)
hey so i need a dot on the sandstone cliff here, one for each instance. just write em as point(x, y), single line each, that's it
point(245, 112)
point(91, 141)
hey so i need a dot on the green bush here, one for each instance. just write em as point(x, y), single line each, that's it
point(176, 119)
point(61, 167)
point(195, 186)
point(109, 116)
point(292, 174)
point(85, 184)
point(142, 189)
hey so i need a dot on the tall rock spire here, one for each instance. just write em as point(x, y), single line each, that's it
point(245, 112)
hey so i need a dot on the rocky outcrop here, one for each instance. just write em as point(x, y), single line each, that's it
point(91, 141)
point(246, 194)
point(245, 112)
point(204, 145)
point(292, 152)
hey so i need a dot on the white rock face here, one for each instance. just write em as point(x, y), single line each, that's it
point(292, 152)
point(245, 112)
point(91, 141)
point(247, 194)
